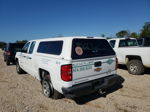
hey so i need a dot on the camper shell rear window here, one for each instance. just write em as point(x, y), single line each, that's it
point(89, 48)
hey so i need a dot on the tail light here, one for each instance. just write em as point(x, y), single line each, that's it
point(66, 72)
point(8, 53)
point(116, 63)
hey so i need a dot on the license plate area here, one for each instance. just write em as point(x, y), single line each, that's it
point(98, 64)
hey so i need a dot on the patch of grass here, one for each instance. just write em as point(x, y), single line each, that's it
point(43, 107)
point(120, 109)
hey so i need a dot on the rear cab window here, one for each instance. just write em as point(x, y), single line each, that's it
point(50, 47)
point(89, 48)
point(147, 42)
point(140, 41)
point(127, 43)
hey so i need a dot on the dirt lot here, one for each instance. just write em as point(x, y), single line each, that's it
point(22, 93)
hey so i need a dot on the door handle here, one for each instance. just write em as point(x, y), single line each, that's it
point(29, 58)
point(24, 56)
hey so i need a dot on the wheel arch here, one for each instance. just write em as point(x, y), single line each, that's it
point(41, 76)
point(132, 57)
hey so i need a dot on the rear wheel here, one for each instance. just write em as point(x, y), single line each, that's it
point(48, 89)
point(135, 67)
point(18, 68)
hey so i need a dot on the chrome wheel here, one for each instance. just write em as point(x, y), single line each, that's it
point(47, 88)
point(133, 68)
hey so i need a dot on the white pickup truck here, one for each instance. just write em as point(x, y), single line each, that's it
point(72, 66)
point(130, 54)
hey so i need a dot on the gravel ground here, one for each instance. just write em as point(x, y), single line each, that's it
point(22, 93)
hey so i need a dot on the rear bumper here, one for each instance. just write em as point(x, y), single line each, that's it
point(91, 86)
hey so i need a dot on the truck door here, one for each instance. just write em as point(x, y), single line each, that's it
point(30, 60)
point(23, 56)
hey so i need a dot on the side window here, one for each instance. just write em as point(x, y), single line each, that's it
point(25, 48)
point(140, 41)
point(112, 43)
point(31, 47)
point(127, 43)
point(50, 47)
point(122, 43)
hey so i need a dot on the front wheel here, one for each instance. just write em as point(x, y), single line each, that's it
point(48, 89)
point(18, 68)
point(135, 67)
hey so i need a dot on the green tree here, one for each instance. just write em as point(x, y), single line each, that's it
point(122, 34)
point(134, 35)
point(21, 41)
point(145, 32)
point(2, 45)
point(103, 35)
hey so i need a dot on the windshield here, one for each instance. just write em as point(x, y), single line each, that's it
point(88, 48)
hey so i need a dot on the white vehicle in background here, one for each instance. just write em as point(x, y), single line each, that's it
point(144, 42)
point(130, 54)
point(72, 66)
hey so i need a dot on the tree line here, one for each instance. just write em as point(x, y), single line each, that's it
point(144, 32)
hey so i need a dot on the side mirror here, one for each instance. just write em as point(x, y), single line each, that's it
point(24, 51)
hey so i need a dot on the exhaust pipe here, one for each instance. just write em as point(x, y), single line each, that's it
point(101, 92)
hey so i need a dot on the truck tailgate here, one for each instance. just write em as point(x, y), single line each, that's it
point(93, 67)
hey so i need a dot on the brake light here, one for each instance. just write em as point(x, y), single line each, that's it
point(66, 72)
point(116, 63)
point(8, 53)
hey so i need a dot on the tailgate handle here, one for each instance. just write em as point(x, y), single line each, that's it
point(24, 56)
point(98, 63)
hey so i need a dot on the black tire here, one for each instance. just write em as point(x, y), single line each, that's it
point(135, 67)
point(18, 68)
point(14, 63)
point(7, 62)
point(48, 89)
point(4, 60)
